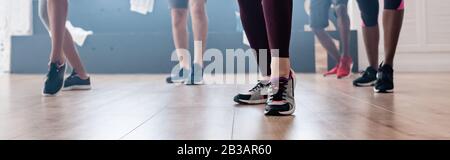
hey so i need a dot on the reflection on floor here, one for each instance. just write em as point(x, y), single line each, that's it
point(144, 107)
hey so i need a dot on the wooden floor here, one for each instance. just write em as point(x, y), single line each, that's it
point(144, 107)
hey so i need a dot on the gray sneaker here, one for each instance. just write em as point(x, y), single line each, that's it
point(281, 97)
point(196, 75)
point(256, 95)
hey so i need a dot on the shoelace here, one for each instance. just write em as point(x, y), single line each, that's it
point(281, 93)
point(258, 87)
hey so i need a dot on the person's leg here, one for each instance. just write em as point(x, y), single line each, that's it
point(181, 35)
point(278, 16)
point(371, 32)
point(343, 20)
point(392, 23)
point(57, 13)
point(200, 28)
point(319, 21)
point(179, 12)
point(252, 17)
point(79, 79)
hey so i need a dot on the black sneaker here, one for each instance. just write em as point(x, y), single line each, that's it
point(256, 95)
point(367, 79)
point(55, 79)
point(281, 99)
point(179, 75)
point(73, 82)
point(385, 79)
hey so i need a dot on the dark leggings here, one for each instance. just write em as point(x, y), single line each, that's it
point(267, 24)
point(370, 9)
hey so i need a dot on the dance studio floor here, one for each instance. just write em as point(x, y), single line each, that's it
point(144, 107)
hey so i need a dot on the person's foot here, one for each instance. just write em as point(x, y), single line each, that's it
point(367, 79)
point(55, 79)
point(385, 79)
point(256, 95)
point(196, 75)
point(332, 71)
point(179, 77)
point(74, 82)
point(281, 97)
point(345, 67)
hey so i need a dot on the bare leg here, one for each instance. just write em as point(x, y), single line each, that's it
point(180, 35)
point(372, 40)
point(327, 42)
point(392, 23)
point(72, 56)
point(57, 11)
point(200, 28)
point(344, 28)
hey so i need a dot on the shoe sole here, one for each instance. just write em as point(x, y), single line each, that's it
point(77, 87)
point(383, 91)
point(278, 113)
point(252, 102)
point(369, 84)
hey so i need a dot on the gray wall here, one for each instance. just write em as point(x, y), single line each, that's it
point(127, 42)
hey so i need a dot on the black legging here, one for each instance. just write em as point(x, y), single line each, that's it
point(371, 8)
point(267, 24)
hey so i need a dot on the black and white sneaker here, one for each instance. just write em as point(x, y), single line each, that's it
point(385, 79)
point(73, 82)
point(55, 79)
point(281, 99)
point(368, 78)
point(179, 75)
point(256, 95)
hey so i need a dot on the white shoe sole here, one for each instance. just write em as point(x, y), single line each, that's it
point(385, 91)
point(77, 87)
point(261, 101)
point(370, 84)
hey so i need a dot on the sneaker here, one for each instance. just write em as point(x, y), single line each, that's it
point(55, 79)
point(385, 79)
point(281, 97)
point(256, 95)
point(345, 67)
point(332, 71)
point(196, 75)
point(73, 82)
point(179, 77)
point(368, 78)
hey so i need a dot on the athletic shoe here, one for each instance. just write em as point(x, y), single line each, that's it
point(73, 82)
point(332, 71)
point(180, 77)
point(196, 76)
point(55, 79)
point(256, 95)
point(385, 79)
point(345, 67)
point(281, 96)
point(367, 79)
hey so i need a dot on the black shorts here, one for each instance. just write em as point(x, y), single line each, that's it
point(371, 8)
point(320, 11)
point(182, 4)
